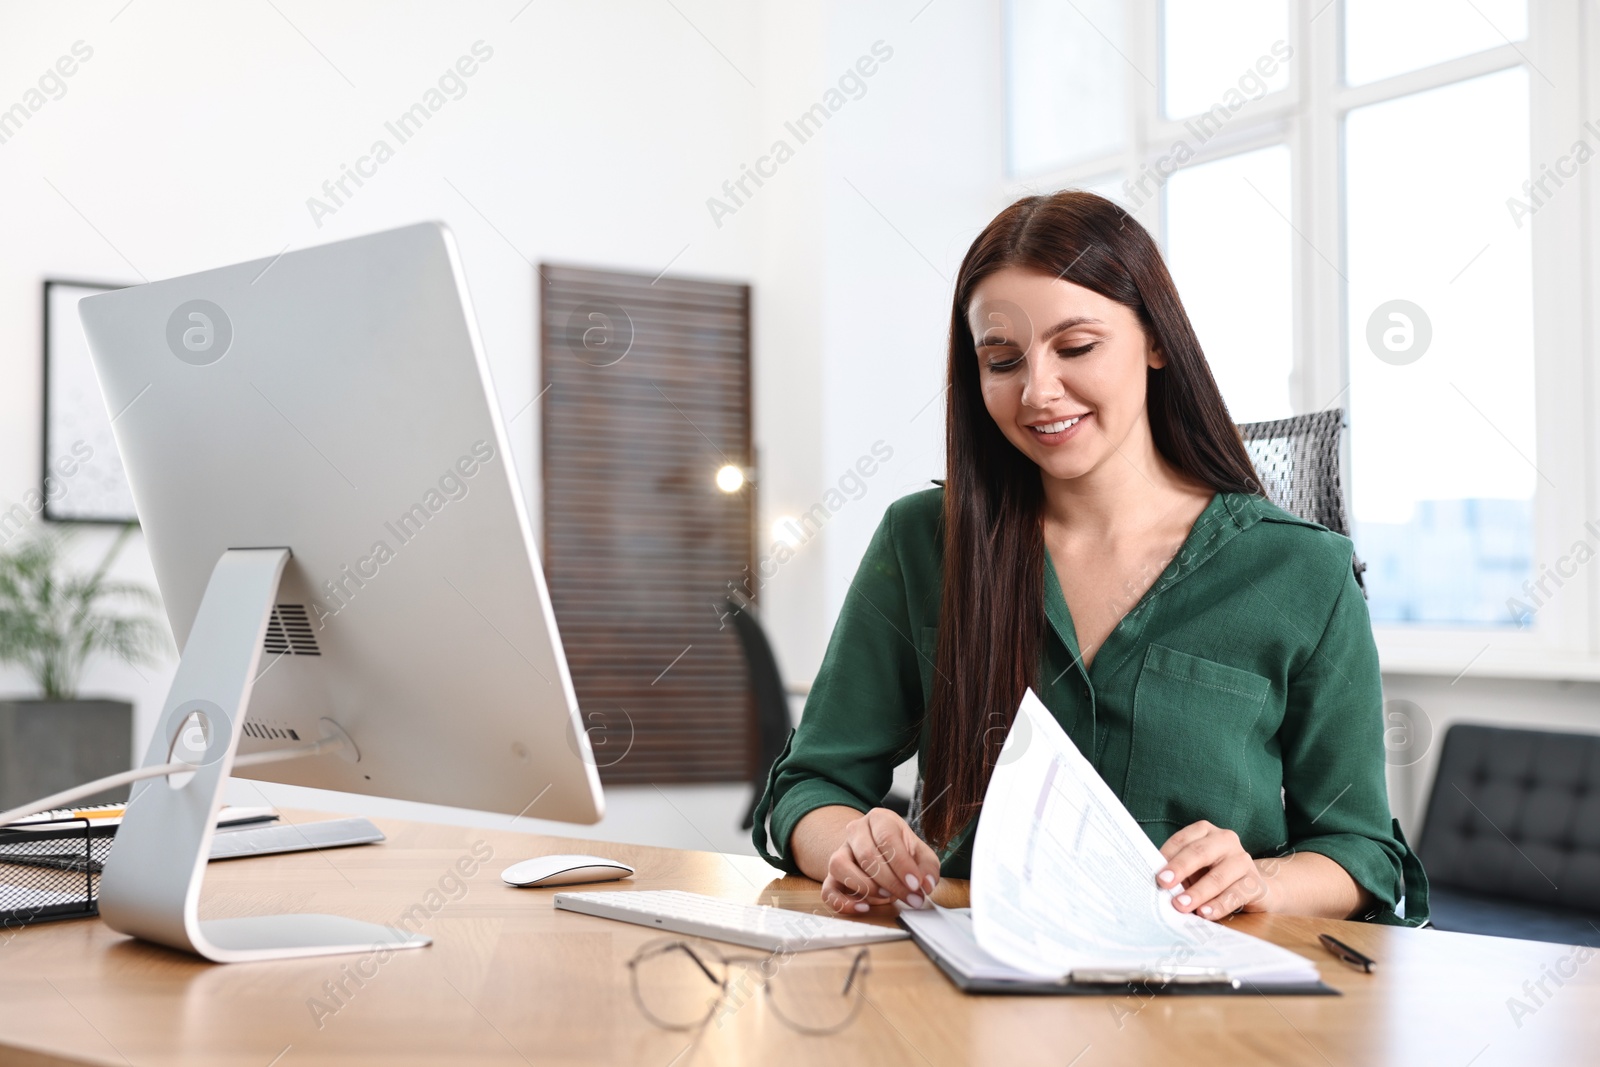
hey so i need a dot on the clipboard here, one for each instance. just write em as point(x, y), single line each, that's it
point(1181, 985)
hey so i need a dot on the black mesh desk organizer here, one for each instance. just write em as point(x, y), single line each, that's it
point(51, 870)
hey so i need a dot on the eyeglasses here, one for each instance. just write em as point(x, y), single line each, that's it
point(681, 985)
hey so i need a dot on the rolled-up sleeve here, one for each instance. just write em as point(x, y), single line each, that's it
point(1336, 798)
point(863, 715)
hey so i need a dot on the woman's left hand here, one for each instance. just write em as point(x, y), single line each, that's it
point(1217, 875)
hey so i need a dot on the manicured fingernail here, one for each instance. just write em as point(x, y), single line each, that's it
point(930, 881)
point(863, 906)
point(1206, 910)
point(1184, 900)
point(1165, 876)
point(915, 900)
point(911, 881)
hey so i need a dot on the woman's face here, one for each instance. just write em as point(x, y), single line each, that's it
point(1062, 368)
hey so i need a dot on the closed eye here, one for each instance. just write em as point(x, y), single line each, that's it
point(1068, 353)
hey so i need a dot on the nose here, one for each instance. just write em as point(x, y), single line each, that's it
point(1042, 386)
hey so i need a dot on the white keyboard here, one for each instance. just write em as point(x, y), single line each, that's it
point(751, 925)
point(287, 837)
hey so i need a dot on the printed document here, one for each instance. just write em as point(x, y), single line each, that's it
point(1063, 879)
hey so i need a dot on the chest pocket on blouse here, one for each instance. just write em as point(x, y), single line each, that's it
point(1192, 719)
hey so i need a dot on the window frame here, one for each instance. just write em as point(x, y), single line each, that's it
point(1308, 117)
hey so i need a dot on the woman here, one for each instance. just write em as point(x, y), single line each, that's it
point(1100, 536)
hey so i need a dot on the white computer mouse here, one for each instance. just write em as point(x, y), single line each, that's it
point(563, 870)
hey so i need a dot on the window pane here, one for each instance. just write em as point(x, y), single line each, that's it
point(1109, 187)
point(1213, 56)
point(1066, 82)
point(1229, 248)
point(1387, 37)
point(1441, 351)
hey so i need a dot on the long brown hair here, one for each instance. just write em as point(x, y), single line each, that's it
point(991, 617)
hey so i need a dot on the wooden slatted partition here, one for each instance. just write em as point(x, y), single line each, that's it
point(648, 396)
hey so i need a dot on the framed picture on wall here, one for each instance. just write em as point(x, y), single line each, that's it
point(81, 476)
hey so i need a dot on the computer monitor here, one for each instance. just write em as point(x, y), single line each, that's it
point(325, 486)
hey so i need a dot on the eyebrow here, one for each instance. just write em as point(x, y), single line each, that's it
point(1067, 324)
point(1060, 327)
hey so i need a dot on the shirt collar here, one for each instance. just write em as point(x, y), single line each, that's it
point(1225, 517)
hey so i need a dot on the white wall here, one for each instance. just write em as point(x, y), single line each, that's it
point(1537, 705)
point(195, 133)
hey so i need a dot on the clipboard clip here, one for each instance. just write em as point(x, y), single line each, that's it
point(1152, 976)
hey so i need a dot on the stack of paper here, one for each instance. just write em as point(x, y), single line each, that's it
point(1063, 884)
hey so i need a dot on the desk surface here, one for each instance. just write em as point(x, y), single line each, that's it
point(510, 980)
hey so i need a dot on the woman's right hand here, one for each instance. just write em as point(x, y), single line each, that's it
point(880, 861)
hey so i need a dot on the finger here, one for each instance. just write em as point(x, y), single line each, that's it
point(927, 861)
point(847, 902)
point(876, 898)
point(1189, 834)
point(1222, 874)
point(1196, 856)
point(913, 861)
point(848, 898)
point(1231, 899)
point(853, 879)
point(879, 850)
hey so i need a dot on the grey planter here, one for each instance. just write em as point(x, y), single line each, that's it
point(50, 745)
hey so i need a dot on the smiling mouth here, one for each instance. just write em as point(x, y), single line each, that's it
point(1057, 427)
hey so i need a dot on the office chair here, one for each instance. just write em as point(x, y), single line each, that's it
point(1511, 837)
point(771, 706)
point(1297, 460)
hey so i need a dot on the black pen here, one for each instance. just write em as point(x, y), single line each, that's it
point(1346, 953)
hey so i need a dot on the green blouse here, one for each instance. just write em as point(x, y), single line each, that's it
point(1248, 666)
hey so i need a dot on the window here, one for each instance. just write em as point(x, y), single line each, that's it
point(1233, 261)
point(1433, 377)
point(1383, 38)
point(1206, 47)
point(1068, 58)
point(1372, 205)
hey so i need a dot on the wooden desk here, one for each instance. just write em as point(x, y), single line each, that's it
point(510, 980)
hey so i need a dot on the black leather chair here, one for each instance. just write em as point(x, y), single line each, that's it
point(772, 719)
point(1511, 839)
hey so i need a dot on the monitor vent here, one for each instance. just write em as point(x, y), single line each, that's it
point(269, 731)
point(289, 632)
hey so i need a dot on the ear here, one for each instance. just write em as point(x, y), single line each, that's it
point(1155, 359)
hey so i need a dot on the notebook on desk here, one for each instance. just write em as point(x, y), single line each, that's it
point(1064, 895)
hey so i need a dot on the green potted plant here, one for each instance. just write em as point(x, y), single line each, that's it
point(52, 623)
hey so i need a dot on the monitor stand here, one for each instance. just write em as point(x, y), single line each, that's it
point(150, 886)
